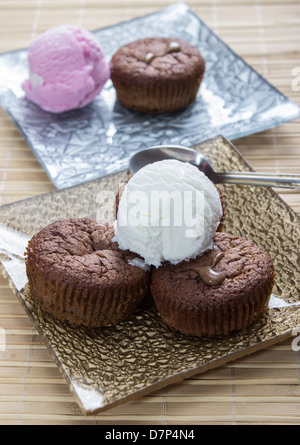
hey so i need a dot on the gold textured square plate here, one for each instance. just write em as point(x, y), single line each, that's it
point(109, 366)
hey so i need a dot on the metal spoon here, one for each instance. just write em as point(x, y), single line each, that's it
point(184, 154)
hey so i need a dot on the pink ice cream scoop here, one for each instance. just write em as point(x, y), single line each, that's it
point(67, 69)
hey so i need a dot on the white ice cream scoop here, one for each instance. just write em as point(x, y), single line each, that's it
point(169, 211)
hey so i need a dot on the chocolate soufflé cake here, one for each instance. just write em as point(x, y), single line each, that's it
point(226, 289)
point(157, 74)
point(78, 274)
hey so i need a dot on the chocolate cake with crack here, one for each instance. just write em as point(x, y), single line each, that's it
point(223, 290)
point(78, 274)
point(157, 74)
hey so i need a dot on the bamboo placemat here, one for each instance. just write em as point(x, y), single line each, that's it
point(263, 388)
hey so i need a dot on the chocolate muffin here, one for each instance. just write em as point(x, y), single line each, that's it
point(157, 75)
point(224, 290)
point(78, 274)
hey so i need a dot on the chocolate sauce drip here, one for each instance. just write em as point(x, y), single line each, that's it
point(173, 47)
point(208, 275)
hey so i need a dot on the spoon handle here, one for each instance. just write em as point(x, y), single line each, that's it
point(264, 179)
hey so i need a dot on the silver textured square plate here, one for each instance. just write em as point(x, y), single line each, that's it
point(108, 366)
point(84, 144)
